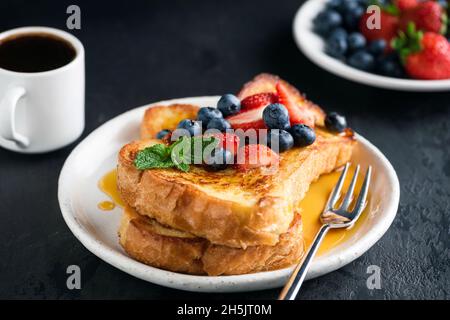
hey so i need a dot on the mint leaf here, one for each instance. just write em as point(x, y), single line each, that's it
point(180, 154)
point(156, 156)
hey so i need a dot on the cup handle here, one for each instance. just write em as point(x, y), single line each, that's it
point(8, 115)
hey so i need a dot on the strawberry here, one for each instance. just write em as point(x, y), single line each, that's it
point(258, 100)
point(388, 26)
point(249, 119)
point(227, 140)
point(406, 4)
point(425, 55)
point(427, 16)
point(254, 156)
point(297, 114)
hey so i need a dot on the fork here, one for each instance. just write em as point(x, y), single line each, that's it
point(331, 218)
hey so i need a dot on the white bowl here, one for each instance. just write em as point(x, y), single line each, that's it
point(312, 46)
point(96, 155)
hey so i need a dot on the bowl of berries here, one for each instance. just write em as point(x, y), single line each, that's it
point(391, 44)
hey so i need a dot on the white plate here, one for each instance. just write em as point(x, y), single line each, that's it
point(312, 46)
point(97, 230)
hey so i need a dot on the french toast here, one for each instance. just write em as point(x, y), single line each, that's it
point(229, 207)
point(157, 245)
point(233, 208)
point(159, 118)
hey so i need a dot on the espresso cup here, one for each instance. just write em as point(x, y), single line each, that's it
point(42, 111)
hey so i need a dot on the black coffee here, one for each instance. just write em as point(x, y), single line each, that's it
point(35, 52)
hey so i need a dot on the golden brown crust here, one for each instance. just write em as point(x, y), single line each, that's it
point(158, 118)
point(229, 207)
point(171, 253)
point(266, 82)
point(182, 253)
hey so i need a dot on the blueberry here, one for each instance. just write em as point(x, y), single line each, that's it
point(390, 66)
point(349, 6)
point(353, 16)
point(206, 114)
point(443, 3)
point(219, 159)
point(283, 138)
point(339, 32)
point(303, 135)
point(162, 134)
point(193, 127)
point(218, 123)
point(356, 41)
point(335, 122)
point(334, 4)
point(377, 47)
point(362, 60)
point(229, 104)
point(326, 21)
point(276, 116)
point(336, 44)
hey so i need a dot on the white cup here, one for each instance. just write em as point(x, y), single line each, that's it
point(42, 111)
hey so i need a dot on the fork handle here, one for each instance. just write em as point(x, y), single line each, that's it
point(294, 283)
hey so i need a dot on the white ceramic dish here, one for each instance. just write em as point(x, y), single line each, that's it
point(312, 47)
point(96, 155)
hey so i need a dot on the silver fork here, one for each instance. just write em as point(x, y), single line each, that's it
point(331, 218)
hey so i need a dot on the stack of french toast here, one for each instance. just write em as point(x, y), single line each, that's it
point(229, 221)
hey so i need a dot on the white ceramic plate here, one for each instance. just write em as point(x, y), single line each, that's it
point(312, 46)
point(96, 155)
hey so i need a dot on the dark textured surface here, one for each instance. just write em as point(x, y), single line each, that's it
point(138, 52)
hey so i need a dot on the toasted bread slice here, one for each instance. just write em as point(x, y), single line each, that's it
point(266, 82)
point(230, 207)
point(154, 244)
point(158, 118)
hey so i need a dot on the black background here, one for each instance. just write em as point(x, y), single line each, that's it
point(138, 52)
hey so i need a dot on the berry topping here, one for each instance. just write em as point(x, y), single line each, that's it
point(192, 127)
point(258, 100)
point(276, 116)
point(206, 114)
point(280, 140)
point(229, 104)
point(296, 113)
point(335, 122)
point(218, 123)
point(254, 156)
point(251, 119)
point(227, 140)
point(162, 134)
point(303, 135)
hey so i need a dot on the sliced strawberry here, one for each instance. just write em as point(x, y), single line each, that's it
point(250, 119)
point(254, 156)
point(227, 140)
point(297, 114)
point(258, 100)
